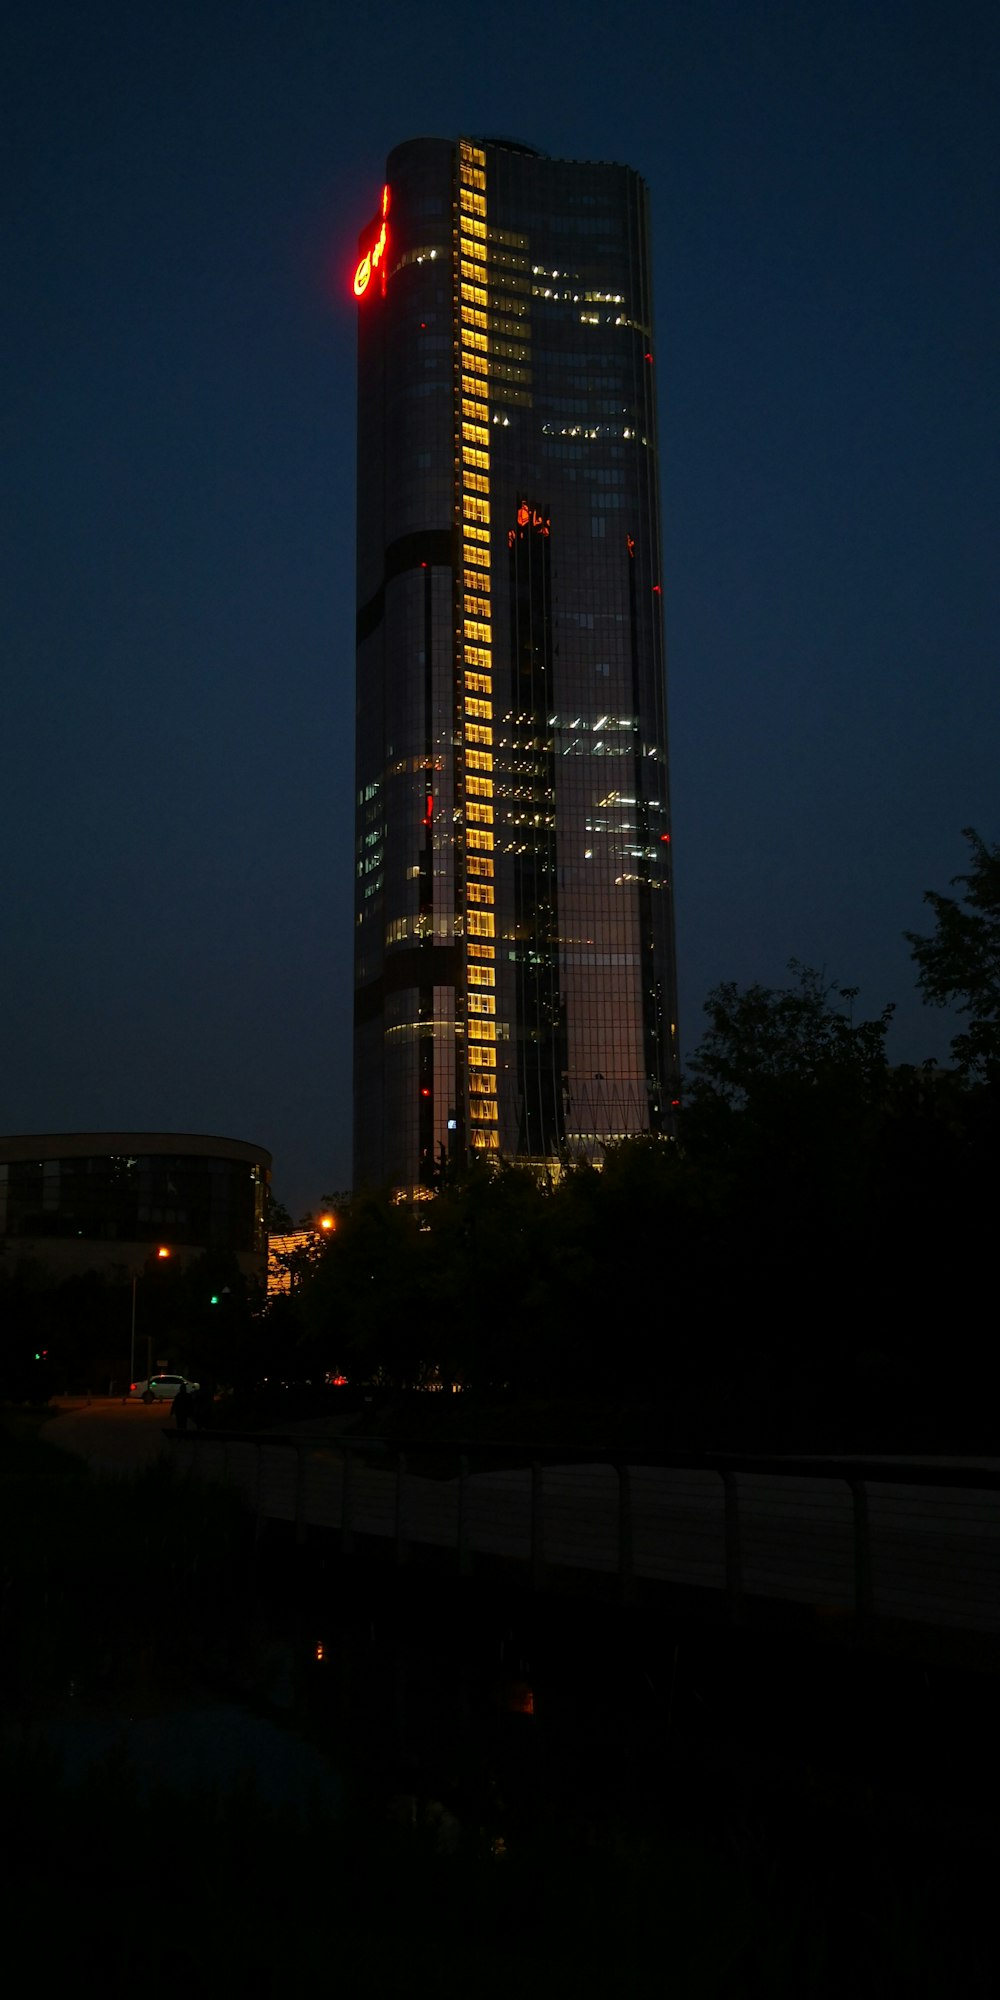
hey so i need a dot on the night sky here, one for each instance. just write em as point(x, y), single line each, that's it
point(183, 192)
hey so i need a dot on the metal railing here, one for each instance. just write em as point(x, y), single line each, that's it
point(887, 1539)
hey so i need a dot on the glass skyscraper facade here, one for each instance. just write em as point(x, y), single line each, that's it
point(514, 934)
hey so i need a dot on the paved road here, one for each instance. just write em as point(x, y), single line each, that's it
point(111, 1435)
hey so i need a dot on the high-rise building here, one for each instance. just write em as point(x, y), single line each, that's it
point(515, 976)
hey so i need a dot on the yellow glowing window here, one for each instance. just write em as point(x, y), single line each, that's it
point(482, 709)
point(470, 203)
point(471, 555)
point(477, 656)
point(473, 227)
point(480, 923)
point(479, 864)
point(474, 731)
point(481, 975)
point(478, 412)
point(482, 814)
point(486, 1139)
point(483, 1110)
point(476, 364)
point(473, 257)
point(482, 1003)
point(479, 1056)
point(479, 788)
point(481, 1031)
point(472, 338)
point(476, 950)
point(470, 386)
point(475, 482)
point(479, 892)
point(471, 316)
point(474, 295)
point(482, 1085)
point(474, 508)
point(480, 684)
point(475, 434)
point(479, 836)
point(475, 629)
point(471, 455)
point(478, 607)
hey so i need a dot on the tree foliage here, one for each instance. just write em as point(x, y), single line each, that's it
point(959, 964)
point(760, 1038)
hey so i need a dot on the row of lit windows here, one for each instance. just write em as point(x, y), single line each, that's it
point(476, 639)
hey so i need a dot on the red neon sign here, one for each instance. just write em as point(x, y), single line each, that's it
point(373, 257)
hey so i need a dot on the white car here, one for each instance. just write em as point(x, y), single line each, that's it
point(161, 1389)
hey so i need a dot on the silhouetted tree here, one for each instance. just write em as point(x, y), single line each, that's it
point(959, 966)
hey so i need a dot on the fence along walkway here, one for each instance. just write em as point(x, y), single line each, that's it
point(880, 1540)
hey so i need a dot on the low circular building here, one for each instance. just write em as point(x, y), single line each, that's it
point(85, 1201)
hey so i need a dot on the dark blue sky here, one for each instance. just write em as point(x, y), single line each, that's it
point(184, 189)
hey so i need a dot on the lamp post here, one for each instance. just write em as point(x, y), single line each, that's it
point(161, 1253)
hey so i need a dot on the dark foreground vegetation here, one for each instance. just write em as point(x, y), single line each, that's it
point(803, 1264)
point(555, 1853)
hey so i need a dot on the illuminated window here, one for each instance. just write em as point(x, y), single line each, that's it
point(481, 1031)
point(480, 788)
point(477, 364)
point(471, 456)
point(474, 508)
point(475, 482)
point(474, 731)
point(480, 556)
point(482, 1085)
point(472, 338)
point(480, 813)
point(470, 203)
point(477, 656)
point(481, 975)
point(486, 1140)
point(480, 1055)
point(482, 1003)
point(479, 892)
point(480, 923)
point(472, 533)
point(477, 411)
point(478, 607)
point(475, 629)
point(471, 316)
point(476, 434)
point(484, 1111)
point(481, 837)
point(482, 709)
point(474, 295)
point(479, 864)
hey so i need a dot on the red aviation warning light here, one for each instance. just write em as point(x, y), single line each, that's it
point(372, 258)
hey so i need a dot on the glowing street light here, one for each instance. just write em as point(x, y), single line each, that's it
point(162, 1252)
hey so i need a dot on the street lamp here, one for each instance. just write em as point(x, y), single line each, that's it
point(161, 1252)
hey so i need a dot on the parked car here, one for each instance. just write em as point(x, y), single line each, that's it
point(161, 1389)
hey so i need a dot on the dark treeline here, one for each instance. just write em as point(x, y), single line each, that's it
point(805, 1265)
